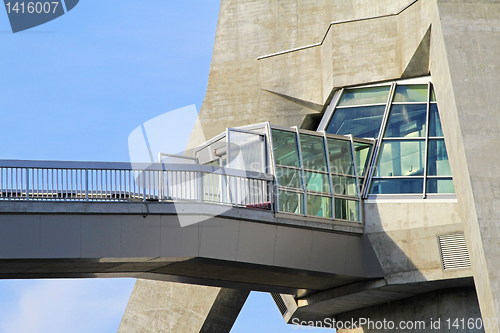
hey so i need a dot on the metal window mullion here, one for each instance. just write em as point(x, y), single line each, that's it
point(328, 165)
point(426, 154)
point(378, 143)
point(304, 185)
point(358, 188)
point(330, 110)
point(274, 188)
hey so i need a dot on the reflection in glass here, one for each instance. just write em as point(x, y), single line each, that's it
point(396, 186)
point(436, 185)
point(434, 122)
point(411, 93)
point(362, 96)
point(361, 122)
point(313, 152)
point(401, 158)
point(340, 154)
point(346, 209)
point(438, 159)
point(406, 120)
point(285, 148)
point(433, 94)
point(317, 181)
point(291, 202)
point(344, 185)
point(362, 153)
point(288, 177)
point(319, 206)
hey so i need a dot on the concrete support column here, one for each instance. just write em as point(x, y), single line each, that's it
point(439, 311)
point(161, 307)
point(465, 67)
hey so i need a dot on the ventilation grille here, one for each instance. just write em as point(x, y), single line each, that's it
point(454, 254)
point(280, 303)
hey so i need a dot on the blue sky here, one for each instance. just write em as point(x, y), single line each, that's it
point(74, 89)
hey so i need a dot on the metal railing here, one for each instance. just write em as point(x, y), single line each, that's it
point(102, 181)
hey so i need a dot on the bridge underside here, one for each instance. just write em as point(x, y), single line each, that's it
point(239, 248)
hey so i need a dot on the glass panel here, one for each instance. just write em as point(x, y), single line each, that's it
point(407, 121)
point(285, 148)
point(434, 122)
point(291, 202)
point(433, 94)
point(361, 96)
point(435, 185)
point(313, 152)
point(346, 209)
point(288, 177)
point(401, 158)
point(411, 93)
point(362, 153)
point(438, 159)
point(317, 182)
point(319, 206)
point(396, 186)
point(246, 151)
point(361, 122)
point(340, 154)
point(344, 185)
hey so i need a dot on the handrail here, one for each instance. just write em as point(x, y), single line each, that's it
point(115, 181)
point(73, 165)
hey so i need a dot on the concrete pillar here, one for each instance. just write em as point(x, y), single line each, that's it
point(438, 311)
point(161, 307)
point(465, 67)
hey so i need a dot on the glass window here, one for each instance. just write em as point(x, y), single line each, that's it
point(285, 148)
point(313, 152)
point(437, 185)
point(406, 120)
point(344, 185)
point(346, 209)
point(291, 202)
point(438, 159)
point(289, 177)
point(362, 153)
point(362, 96)
point(317, 181)
point(397, 186)
point(411, 93)
point(340, 154)
point(319, 206)
point(434, 122)
point(401, 158)
point(433, 94)
point(361, 122)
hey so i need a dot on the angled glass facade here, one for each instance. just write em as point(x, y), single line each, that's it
point(319, 175)
point(410, 154)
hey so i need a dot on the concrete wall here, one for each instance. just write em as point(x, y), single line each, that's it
point(161, 307)
point(404, 235)
point(424, 313)
point(405, 238)
point(465, 67)
point(238, 91)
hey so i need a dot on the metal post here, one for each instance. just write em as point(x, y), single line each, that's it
point(144, 185)
point(86, 185)
point(27, 184)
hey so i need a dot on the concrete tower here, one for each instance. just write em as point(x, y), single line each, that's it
point(290, 63)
